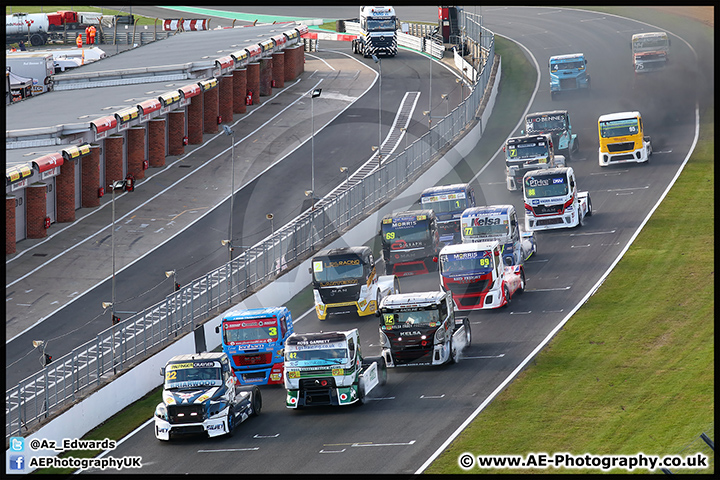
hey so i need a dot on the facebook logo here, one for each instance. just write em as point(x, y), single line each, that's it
point(17, 444)
point(17, 462)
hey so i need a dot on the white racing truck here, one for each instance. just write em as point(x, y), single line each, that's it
point(200, 396)
point(421, 328)
point(378, 32)
point(528, 152)
point(552, 200)
point(499, 222)
point(328, 368)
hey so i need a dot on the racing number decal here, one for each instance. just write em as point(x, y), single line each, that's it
point(171, 375)
point(292, 355)
point(468, 230)
point(531, 192)
point(273, 331)
point(389, 319)
point(513, 152)
point(389, 235)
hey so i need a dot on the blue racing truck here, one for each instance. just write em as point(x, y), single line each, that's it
point(568, 72)
point(254, 340)
point(448, 202)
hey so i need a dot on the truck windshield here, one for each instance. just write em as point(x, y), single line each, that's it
point(517, 151)
point(540, 186)
point(427, 318)
point(619, 128)
point(644, 44)
point(337, 268)
point(401, 232)
point(486, 226)
point(308, 355)
point(445, 203)
point(567, 65)
point(250, 331)
point(377, 25)
point(548, 123)
point(470, 262)
point(192, 374)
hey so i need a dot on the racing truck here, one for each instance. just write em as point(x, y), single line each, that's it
point(378, 32)
point(568, 72)
point(448, 203)
point(557, 124)
point(328, 368)
point(253, 341)
point(622, 139)
point(552, 200)
point(345, 280)
point(421, 328)
point(650, 51)
point(409, 241)
point(200, 396)
point(528, 152)
point(478, 277)
point(499, 222)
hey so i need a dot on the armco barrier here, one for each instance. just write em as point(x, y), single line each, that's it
point(70, 378)
point(143, 378)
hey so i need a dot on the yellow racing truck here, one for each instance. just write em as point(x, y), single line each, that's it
point(622, 139)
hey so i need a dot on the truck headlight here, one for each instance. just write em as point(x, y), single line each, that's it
point(161, 412)
point(440, 335)
point(384, 341)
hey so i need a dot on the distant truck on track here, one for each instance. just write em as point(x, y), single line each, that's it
point(622, 139)
point(448, 202)
point(650, 51)
point(567, 73)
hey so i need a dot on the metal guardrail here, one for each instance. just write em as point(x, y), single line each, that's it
point(89, 366)
point(422, 43)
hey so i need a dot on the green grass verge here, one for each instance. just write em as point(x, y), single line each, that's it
point(633, 370)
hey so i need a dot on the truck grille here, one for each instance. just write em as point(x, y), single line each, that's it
point(315, 392)
point(622, 157)
point(620, 147)
point(252, 359)
point(348, 293)
point(253, 376)
point(547, 209)
point(186, 413)
point(448, 227)
point(549, 221)
point(409, 355)
point(568, 83)
point(469, 301)
point(469, 288)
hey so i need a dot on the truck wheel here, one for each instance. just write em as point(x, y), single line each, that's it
point(453, 353)
point(396, 286)
point(522, 282)
point(567, 154)
point(231, 422)
point(506, 291)
point(361, 394)
point(256, 401)
point(36, 40)
point(576, 145)
point(468, 334)
point(589, 212)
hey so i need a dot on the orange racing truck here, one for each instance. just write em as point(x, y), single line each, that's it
point(622, 139)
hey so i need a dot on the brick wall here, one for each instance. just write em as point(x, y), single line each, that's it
point(10, 246)
point(90, 178)
point(176, 132)
point(278, 70)
point(226, 86)
point(210, 100)
point(195, 120)
point(136, 152)
point(290, 63)
point(113, 159)
point(65, 193)
point(156, 142)
point(266, 72)
point(36, 210)
point(253, 81)
point(239, 90)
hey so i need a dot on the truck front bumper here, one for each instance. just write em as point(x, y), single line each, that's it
point(635, 156)
point(214, 427)
point(322, 396)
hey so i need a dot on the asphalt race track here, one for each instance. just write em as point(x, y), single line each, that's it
point(406, 421)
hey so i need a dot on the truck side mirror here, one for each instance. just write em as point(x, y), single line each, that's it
point(162, 371)
point(217, 329)
point(310, 270)
point(508, 261)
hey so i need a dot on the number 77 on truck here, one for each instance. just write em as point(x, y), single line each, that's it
point(254, 340)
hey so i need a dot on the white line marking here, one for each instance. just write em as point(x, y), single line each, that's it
point(580, 246)
point(629, 188)
point(625, 193)
point(520, 313)
point(553, 311)
point(591, 233)
point(332, 451)
point(229, 450)
point(484, 356)
point(432, 396)
point(411, 442)
point(380, 398)
point(266, 436)
point(548, 289)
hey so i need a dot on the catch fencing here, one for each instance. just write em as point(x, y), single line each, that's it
point(81, 372)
